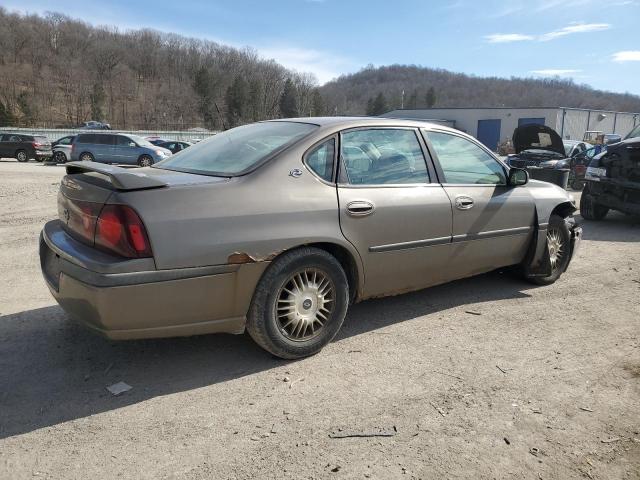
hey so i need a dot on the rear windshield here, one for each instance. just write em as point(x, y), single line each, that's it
point(238, 150)
point(40, 139)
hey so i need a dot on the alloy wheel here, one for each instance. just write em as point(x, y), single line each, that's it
point(304, 304)
point(556, 247)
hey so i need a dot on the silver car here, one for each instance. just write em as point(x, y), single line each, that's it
point(277, 227)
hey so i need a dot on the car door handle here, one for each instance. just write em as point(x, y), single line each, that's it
point(359, 208)
point(464, 203)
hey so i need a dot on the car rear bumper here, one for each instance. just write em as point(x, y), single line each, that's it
point(43, 153)
point(134, 304)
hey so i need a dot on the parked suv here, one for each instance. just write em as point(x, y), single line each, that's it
point(24, 147)
point(116, 148)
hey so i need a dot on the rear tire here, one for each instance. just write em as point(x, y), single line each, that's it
point(577, 185)
point(299, 304)
point(21, 156)
point(86, 157)
point(559, 245)
point(589, 208)
point(145, 161)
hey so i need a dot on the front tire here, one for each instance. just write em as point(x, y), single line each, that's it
point(21, 156)
point(145, 161)
point(559, 246)
point(59, 157)
point(589, 208)
point(299, 304)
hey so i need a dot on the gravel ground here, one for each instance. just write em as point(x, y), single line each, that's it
point(487, 377)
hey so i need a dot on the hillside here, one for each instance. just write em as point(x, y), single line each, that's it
point(59, 72)
point(350, 94)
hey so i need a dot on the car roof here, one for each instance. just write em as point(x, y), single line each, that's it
point(351, 122)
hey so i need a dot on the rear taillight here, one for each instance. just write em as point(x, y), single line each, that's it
point(80, 218)
point(120, 230)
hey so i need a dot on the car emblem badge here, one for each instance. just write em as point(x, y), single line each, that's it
point(295, 173)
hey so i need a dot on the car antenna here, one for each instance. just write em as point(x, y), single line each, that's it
point(220, 115)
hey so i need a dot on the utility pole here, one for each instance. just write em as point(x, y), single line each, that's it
point(402, 101)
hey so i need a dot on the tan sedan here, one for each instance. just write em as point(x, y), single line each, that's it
point(276, 227)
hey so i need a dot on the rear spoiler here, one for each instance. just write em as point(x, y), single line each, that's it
point(120, 178)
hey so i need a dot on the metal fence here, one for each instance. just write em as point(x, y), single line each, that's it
point(573, 122)
point(54, 134)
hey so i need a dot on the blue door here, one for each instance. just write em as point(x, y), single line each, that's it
point(489, 133)
point(530, 121)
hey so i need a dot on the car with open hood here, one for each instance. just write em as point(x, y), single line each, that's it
point(612, 180)
point(277, 227)
point(536, 146)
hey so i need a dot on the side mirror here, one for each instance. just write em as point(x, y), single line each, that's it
point(132, 144)
point(518, 176)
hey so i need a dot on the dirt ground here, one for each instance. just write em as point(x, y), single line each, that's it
point(488, 377)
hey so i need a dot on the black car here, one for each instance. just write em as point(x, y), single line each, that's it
point(93, 125)
point(174, 146)
point(542, 152)
point(25, 147)
point(612, 180)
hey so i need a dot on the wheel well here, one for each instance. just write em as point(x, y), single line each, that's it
point(348, 264)
point(564, 209)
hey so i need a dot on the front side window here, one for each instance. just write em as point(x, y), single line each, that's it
point(320, 159)
point(238, 150)
point(65, 141)
point(383, 156)
point(122, 141)
point(464, 162)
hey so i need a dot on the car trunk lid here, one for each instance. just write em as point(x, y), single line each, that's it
point(89, 186)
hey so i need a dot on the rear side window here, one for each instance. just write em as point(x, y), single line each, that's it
point(320, 159)
point(383, 156)
point(239, 150)
point(104, 139)
point(88, 138)
point(15, 138)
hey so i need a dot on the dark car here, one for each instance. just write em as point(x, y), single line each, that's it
point(535, 144)
point(174, 146)
point(93, 125)
point(25, 147)
point(612, 180)
point(541, 150)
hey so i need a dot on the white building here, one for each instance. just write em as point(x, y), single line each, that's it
point(495, 125)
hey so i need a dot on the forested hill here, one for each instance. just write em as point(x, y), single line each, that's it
point(373, 90)
point(59, 72)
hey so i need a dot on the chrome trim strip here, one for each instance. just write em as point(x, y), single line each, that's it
point(429, 242)
point(409, 245)
point(490, 234)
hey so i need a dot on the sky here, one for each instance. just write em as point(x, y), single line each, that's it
point(590, 41)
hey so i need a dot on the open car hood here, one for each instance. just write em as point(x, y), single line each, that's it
point(537, 137)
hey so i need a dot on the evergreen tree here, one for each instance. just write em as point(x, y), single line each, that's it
point(379, 105)
point(288, 103)
point(6, 117)
point(430, 97)
point(236, 99)
point(317, 104)
point(97, 98)
point(370, 107)
point(412, 102)
point(203, 86)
